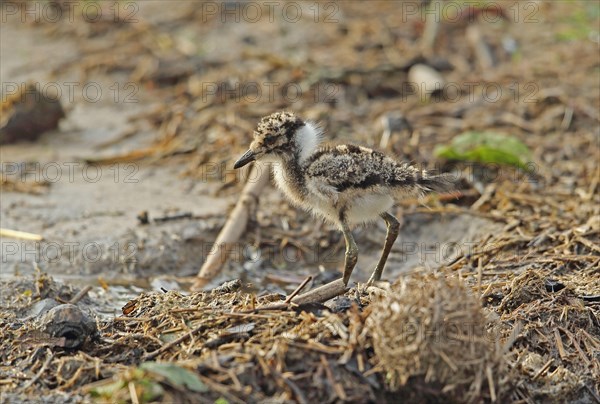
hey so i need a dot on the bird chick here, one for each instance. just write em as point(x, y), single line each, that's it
point(344, 184)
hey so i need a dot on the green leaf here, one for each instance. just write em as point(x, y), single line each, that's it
point(107, 390)
point(486, 147)
point(176, 375)
point(151, 390)
point(580, 23)
point(117, 391)
point(221, 400)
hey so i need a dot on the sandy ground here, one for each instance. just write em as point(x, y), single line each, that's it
point(88, 215)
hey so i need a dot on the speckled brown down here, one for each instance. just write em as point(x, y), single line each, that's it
point(344, 184)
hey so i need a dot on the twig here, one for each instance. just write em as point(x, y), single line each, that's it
point(430, 32)
point(567, 118)
point(514, 334)
point(4, 382)
point(454, 211)
point(133, 319)
point(234, 227)
point(318, 295)
point(80, 295)
point(492, 387)
point(246, 314)
point(322, 293)
point(133, 393)
point(448, 361)
point(317, 347)
point(23, 235)
point(186, 215)
point(579, 350)
point(171, 344)
point(337, 387)
point(487, 194)
point(479, 274)
point(559, 344)
point(42, 369)
point(543, 369)
point(295, 389)
point(220, 389)
point(298, 289)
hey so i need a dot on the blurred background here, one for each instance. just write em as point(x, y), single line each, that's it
point(121, 121)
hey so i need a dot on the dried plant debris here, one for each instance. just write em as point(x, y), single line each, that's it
point(557, 349)
point(231, 345)
point(430, 333)
point(424, 338)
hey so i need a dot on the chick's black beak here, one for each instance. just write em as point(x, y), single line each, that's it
point(245, 159)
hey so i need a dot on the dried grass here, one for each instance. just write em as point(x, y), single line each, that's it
point(431, 328)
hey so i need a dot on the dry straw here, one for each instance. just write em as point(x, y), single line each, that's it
point(430, 330)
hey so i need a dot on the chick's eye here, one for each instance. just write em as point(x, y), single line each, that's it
point(269, 141)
